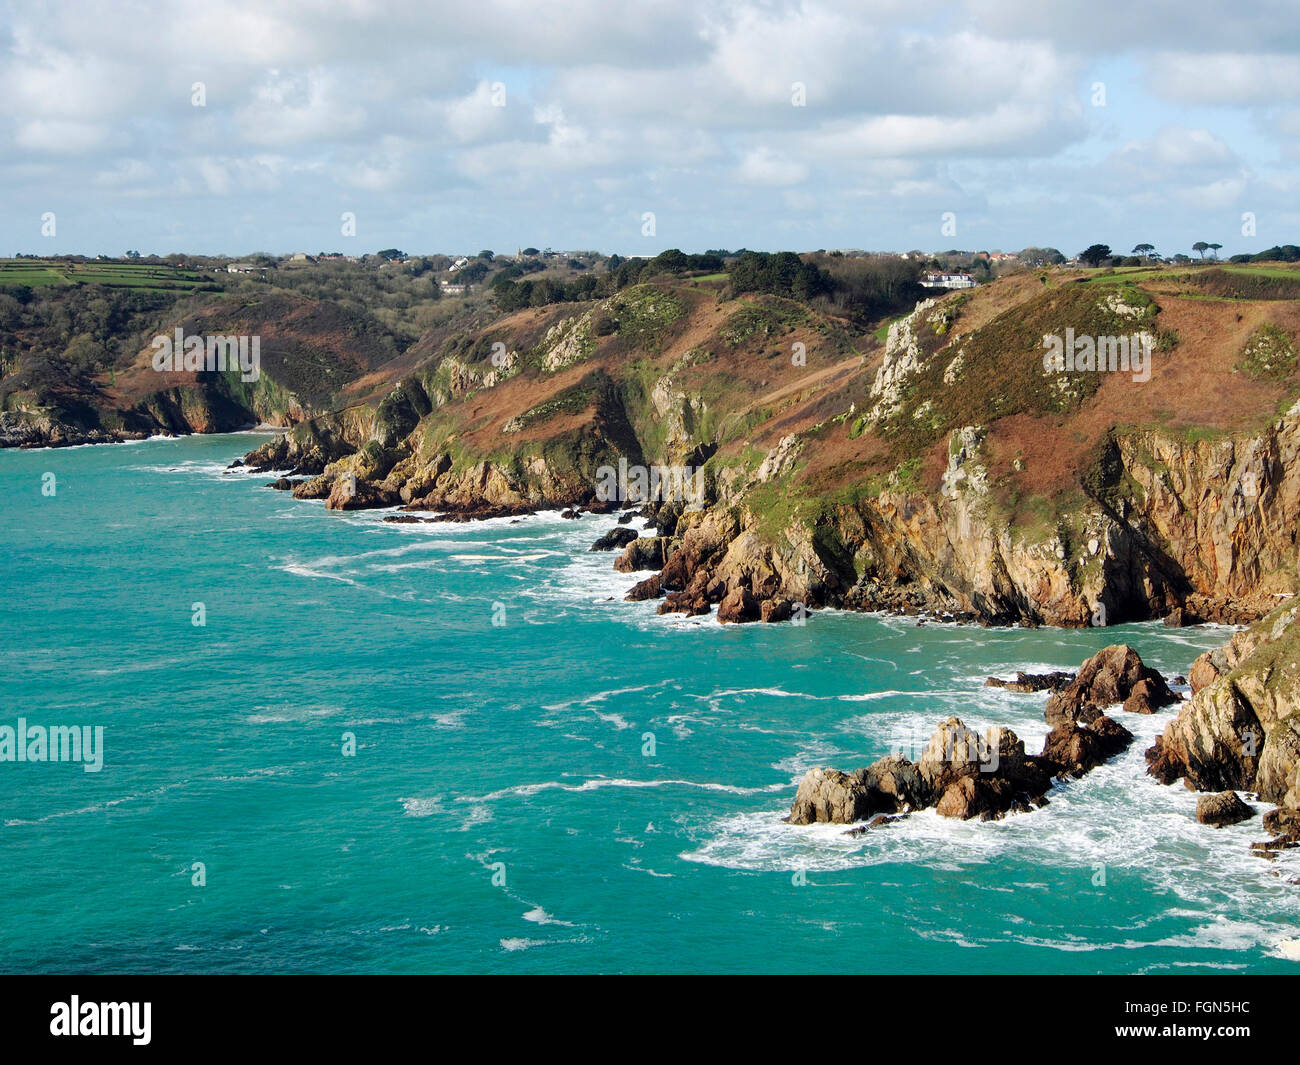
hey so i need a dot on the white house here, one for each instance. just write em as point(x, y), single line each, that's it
point(948, 281)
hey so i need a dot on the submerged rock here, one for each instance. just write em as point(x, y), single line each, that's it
point(1032, 682)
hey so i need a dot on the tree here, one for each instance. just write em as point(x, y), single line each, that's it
point(531, 251)
point(1200, 246)
point(672, 261)
point(1144, 250)
point(391, 254)
point(1032, 256)
point(1095, 254)
point(1215, 249)
point(485, 255)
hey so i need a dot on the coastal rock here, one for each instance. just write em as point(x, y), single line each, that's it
point(879, 821)
point(960, 773)
point(1145, 698)
point(774, 610)
point(1283, 824)
point(1225, 808)
point(1214, 742)
point(1241, 731)
point(646, 552)
point(357, 495)
point(953, 752)
point(892, 785)
point(1204, 672)
point(646, 589)
point(614, 539)
point(1108, 677)
point(737, 607)
point(985, 797)
point(968, 775)
point(690, 603)
point(830, 795)
point(1075, 749)
point(1032, 682)
point(897, 783)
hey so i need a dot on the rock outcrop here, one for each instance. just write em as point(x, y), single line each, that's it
point(961, 774)
point(615, 539)
point(1225, 808)
point(1075, 748)
point(965, 775)
point(1241, 730)
point(1032, 682)
point(1113, 675)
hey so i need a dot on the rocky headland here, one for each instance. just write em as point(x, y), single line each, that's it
point(886, 475)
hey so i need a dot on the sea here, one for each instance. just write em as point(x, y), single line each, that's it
point(334, 744)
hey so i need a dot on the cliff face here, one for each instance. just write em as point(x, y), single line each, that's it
point(312, 356)
point(948, 470)
point(1241, 729)
point(1207, 525)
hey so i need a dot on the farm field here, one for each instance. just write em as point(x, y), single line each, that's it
point(38, 273)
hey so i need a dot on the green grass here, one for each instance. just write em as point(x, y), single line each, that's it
point(42, 273)
point(882, 330)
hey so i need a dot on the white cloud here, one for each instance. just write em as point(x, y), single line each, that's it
point(762, 166)
point(684, 106)
point(1227, 79)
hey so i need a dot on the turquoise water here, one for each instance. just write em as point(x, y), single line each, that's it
point(519, 751)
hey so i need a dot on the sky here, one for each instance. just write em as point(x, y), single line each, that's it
point(236, 126)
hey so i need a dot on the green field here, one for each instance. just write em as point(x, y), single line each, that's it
point(1146, 273)
point(37, 273)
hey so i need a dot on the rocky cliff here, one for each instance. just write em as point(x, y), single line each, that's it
point(1241, 729)
point(948, 470)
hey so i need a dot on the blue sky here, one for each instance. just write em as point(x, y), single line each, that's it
point(392, 111)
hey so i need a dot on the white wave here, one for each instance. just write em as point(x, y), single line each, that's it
point(423, 807)
point(527, 790)
point(539, 916)
point(514, 943)
point(1286, 948)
